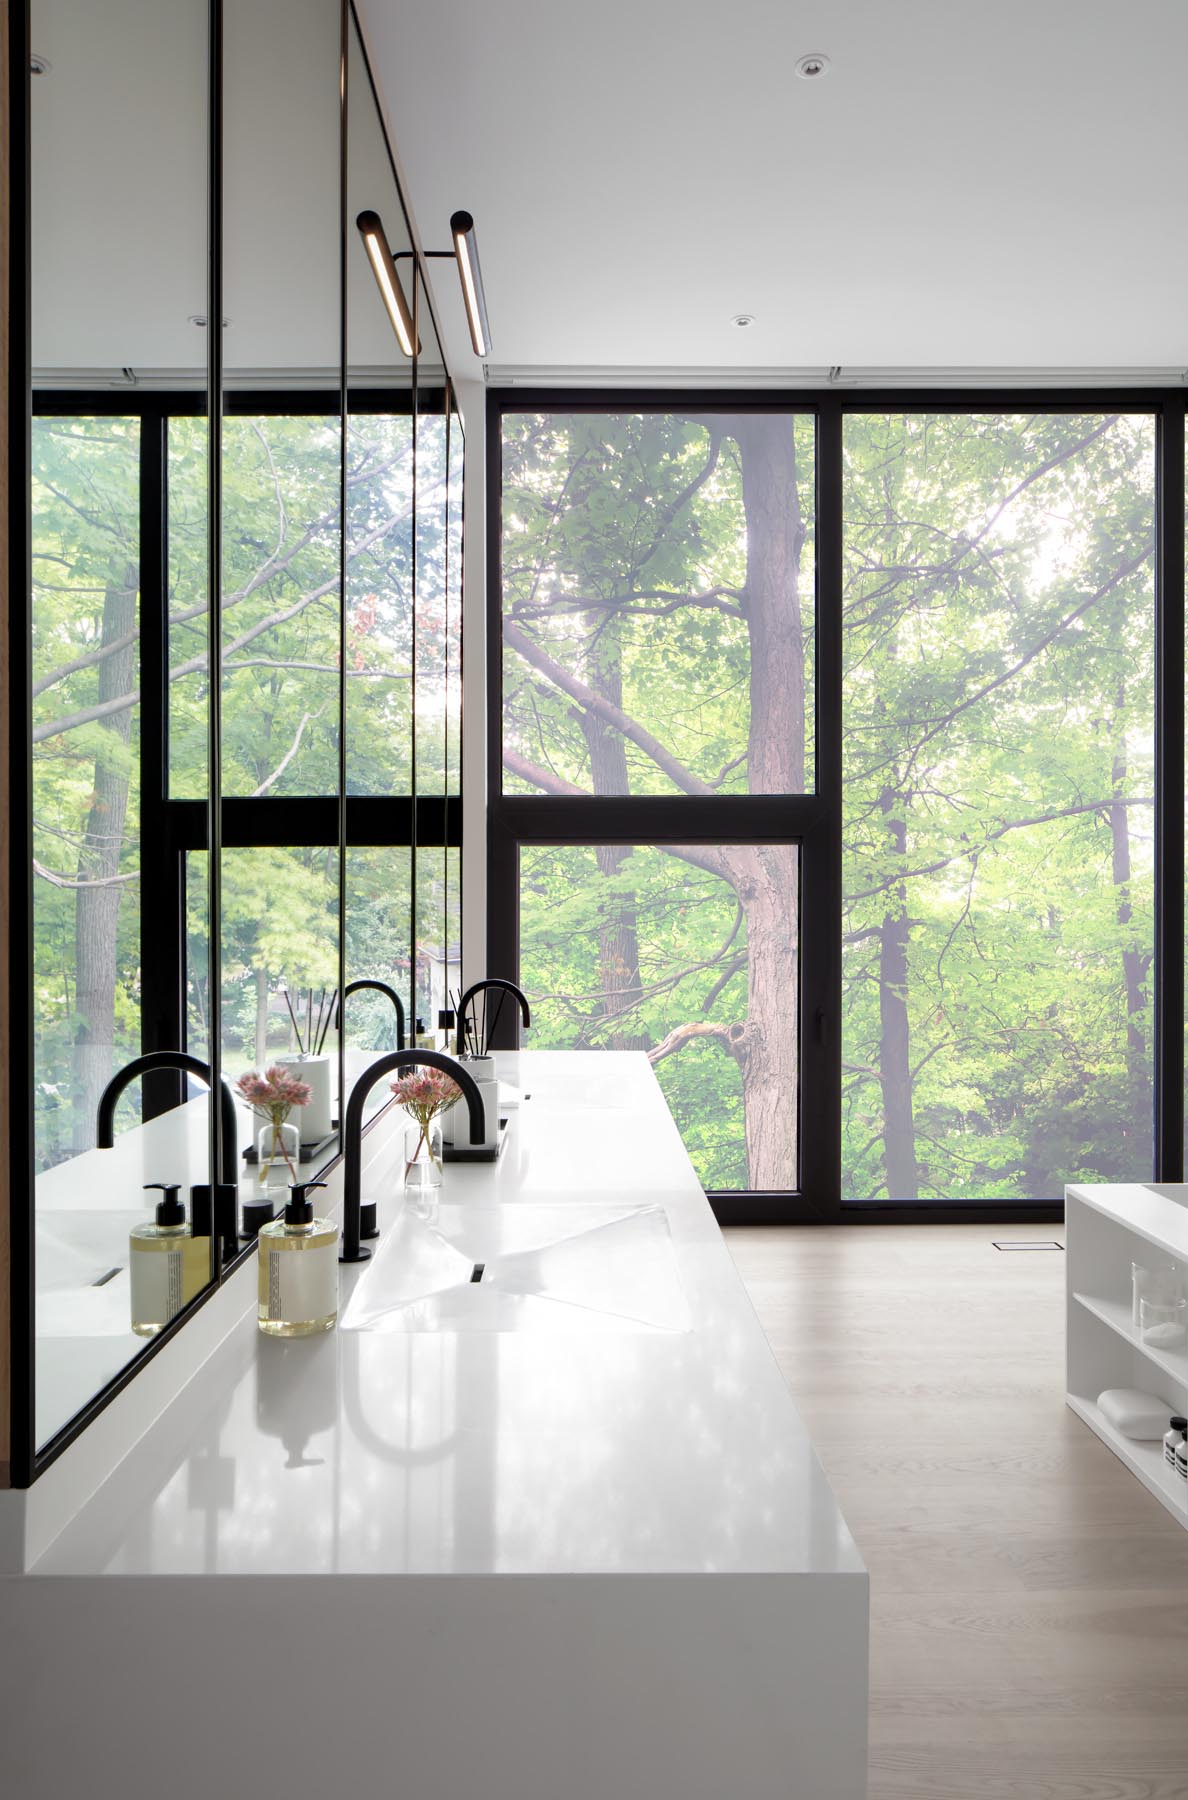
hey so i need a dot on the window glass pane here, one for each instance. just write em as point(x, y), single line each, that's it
point(998, 822)
point(689, 953)
point(658, 596)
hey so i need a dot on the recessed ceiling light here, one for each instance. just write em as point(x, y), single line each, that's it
point(199, 319)
point(812, 67)
point(39, 65)
point(742, 320)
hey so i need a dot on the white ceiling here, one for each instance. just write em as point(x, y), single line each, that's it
point(970, 186)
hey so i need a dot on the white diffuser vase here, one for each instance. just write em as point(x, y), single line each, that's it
point(316, 1120)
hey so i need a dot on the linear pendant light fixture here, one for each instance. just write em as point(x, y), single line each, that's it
point(470, 275)
point(383, 267)
point(464, 253)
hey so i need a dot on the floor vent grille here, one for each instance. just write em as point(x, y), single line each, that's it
point(1025, 1244)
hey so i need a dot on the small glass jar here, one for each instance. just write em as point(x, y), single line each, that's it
point(1173, 1437)
point(1182, 1460)
point(1163, 1324)
point(422, 1170)
point(278, 1155)
point(1152, 1284)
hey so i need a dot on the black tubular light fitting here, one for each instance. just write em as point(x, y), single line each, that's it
point(383, 267)
point(470, 275)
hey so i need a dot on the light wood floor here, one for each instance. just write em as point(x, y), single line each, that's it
point(1029, 1598)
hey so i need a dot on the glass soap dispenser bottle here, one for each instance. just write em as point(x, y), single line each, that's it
point(298, 1291)
point(167, 1264)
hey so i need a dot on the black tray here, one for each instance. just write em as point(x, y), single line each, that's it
point(478, 1152)
point(305, 1152)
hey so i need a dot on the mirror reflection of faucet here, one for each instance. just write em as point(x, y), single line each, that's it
point(380, 987)
point(476, 1031)
point(210, 1211)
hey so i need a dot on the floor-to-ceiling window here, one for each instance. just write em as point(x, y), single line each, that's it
point(823, 772)
point(998, 719)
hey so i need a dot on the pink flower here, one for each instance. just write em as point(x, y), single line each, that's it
point(274, 1094)
point(424, 1093)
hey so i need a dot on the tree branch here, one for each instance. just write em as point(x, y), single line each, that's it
point(286, 759)
point(603, 709)
point(70, 881)
point(729, 1036)
point(975, 850)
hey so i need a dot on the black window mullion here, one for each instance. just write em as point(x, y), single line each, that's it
point(821, 859)
point(162, 869)
point(1169, 791)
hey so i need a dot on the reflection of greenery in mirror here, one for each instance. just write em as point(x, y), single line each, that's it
point(439, 920)
point(379, 604)
point(432, 585)
point(189, 615)
point(280, 608)
point(86, 789)
point(453, 590)
point(280, 928)
point(378, 924)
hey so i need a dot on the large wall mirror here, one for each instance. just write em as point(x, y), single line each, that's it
point(259, 871)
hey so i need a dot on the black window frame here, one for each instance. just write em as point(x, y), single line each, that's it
point(814, 821)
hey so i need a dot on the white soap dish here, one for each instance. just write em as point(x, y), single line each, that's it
point(1135, 1414)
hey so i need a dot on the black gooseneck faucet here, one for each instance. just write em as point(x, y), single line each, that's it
point(381, 987)
point(229, 1147)
point(352, 1135)
point(493, 981)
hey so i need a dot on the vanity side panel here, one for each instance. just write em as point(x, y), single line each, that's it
point(519, 1688)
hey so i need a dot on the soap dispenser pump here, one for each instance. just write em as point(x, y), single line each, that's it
point(167, 1264)
point(298, 1283)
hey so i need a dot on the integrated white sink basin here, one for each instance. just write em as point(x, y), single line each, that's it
point(549, 1268)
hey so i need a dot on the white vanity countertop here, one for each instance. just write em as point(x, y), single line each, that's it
point(564, 1441)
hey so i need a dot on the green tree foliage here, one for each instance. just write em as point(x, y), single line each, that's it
point(997, 721)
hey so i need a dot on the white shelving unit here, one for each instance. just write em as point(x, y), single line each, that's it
point(1107, 1229)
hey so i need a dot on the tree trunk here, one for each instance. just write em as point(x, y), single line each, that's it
point(261, 1017)
point(96, 911)
point(895, 1071)
point(618, 934)
point(765, 878)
